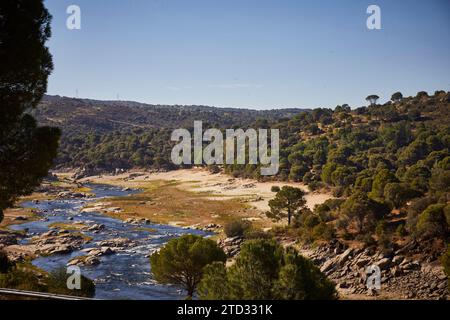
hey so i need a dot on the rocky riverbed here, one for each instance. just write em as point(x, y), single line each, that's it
point(112, 252)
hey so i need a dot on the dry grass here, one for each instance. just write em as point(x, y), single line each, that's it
point(166, 202)
point(67, 226)
point(11, 214)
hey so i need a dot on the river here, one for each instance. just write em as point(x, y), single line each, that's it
point(124, 275)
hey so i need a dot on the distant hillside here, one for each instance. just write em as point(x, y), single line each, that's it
point(105, 135)
point(107, 116)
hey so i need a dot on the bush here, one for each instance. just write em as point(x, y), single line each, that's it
point(57, 283)
point(236, 228)
point(275, 189)
point(21, 277)
point(366, 239)
point(401, 230)
point(323, 231)
point(254, 234)
point(415, 209)
point(432, 222)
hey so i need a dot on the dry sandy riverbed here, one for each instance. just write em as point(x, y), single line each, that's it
point(220, 186)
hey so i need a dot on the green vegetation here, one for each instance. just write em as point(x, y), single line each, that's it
point(236, 228)
point(27, 150)
point(26, 277)
point(264, 270)
point(182, 260)
point(432, 222)
point(102, 136)
point(288, 202)
point(57, 283)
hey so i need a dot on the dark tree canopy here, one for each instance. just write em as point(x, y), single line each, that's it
point(182, 260)
point(398, 96)
point(373, 98)
point(287, 203)
point(264, 270)
point(26, 150)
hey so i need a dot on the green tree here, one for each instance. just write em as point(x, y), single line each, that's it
point(372, 99)
point(182, 260)
point(214, 284)
point(440, 180)
point(381, 179)
point(26, 150)
point(432, 222)
point(299, 279)
point(397, 194)
point(57, 283)
point(364, 211)
point(397, 97)
point(287, 203)
point(264, 270)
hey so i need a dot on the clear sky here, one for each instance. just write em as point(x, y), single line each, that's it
point(249, 53)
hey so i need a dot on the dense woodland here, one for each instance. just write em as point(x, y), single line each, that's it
point(105, 135)
point(375, 159)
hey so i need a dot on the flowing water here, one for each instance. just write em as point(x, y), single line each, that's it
point(124, 275)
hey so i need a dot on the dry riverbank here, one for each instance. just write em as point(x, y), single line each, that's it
point(195, 197)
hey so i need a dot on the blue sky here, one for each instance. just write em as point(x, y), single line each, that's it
point(249, 53)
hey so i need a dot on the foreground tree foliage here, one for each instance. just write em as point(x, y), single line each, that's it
point(286, 204)
point(24, 276)
point(265, 270)
point(182, 260)
point(57, 283)
point(26, 150)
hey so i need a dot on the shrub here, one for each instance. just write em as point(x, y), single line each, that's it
point(366, 239)
point(401, 230)
point(323, 231)
point(236, 228)
point(21, 279)
point(415, 209)
point(57, 283)
point(275, 189)
point(432, 222)
point(253, 234)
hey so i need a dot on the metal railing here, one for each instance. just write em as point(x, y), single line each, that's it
point(39, 295)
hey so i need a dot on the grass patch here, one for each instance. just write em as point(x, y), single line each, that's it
point(67, 226)
point(151, 230)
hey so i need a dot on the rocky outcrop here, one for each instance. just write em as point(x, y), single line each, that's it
point(231, 246)
point(84, 261)
point(117, 243)
point(9, 238)
point(138, 221)
point(49, 243)
point(53, 242)
point(73, 195)
point(402, 276)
